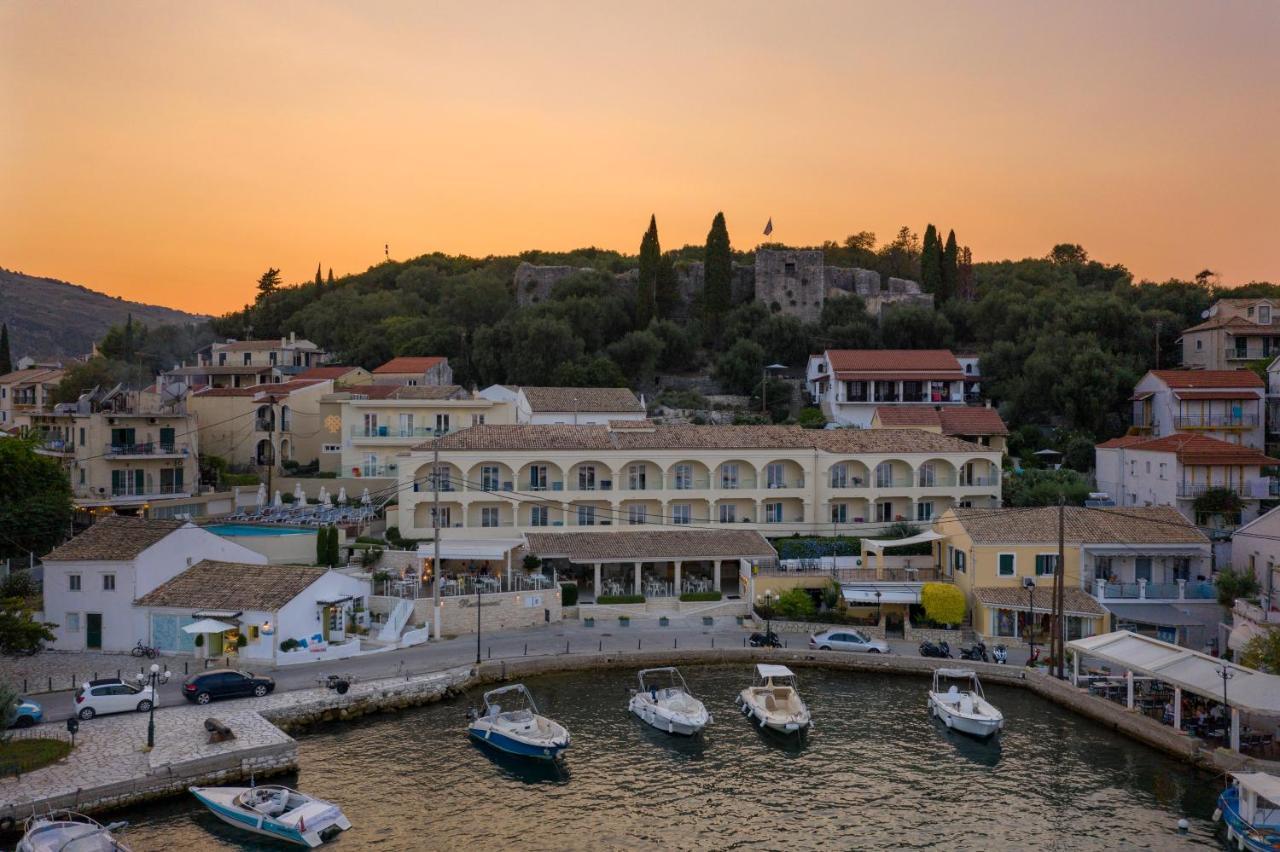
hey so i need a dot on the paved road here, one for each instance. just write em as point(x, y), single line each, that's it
point(556, 639)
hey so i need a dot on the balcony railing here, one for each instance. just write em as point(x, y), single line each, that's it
point(676, 483)
point(1250, 353)
point(784, 483)
point(148, 491)
point(393, 432)
point(151, 448)
point(1216, 421)
point(264, 424)
point(1143, 590)
point(803, 567)
point(1188, 490)
point(55, 445)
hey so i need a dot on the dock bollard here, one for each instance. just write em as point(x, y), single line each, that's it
point(638, 641)
point(490, 652)
point(95, 675)
point(117, 674)
point(601, 648)
point(677, 644)
point(566, 646)
point(184, 667)
point(713, 642)
point(526, 649)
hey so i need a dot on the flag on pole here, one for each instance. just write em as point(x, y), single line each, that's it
point(768, 228)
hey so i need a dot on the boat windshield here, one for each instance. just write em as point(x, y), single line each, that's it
point(509, 699)
point(658, 680)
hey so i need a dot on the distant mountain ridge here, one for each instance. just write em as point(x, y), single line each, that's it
point(51, 317)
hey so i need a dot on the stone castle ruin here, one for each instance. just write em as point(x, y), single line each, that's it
point(789, 281)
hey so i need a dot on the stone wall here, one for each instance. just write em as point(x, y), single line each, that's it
point(791, 282)
point(505, 611)
point(533, 284)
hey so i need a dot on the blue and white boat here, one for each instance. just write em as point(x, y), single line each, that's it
point(275, 811)
point(1250, 809)
point(509, 722)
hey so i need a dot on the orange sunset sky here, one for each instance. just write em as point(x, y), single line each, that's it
point(170, 152)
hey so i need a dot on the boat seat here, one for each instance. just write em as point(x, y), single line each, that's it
point(966, 704)
point(770, 704)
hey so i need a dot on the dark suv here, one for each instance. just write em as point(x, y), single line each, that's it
point(205, 686)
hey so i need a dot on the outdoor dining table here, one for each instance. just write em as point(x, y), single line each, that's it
point(540, 581)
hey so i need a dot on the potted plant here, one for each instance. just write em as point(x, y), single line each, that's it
point(664, 621)
point(624, 620)
point(588, 622)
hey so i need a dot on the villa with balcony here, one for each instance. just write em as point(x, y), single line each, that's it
point(1235, 332)
point(26, 392)
point(851, 384)
point(265, 424)
point(1229, 405)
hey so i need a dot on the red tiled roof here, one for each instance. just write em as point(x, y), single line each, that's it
point(1233, 322)
point(893, 360)
point(1253, 393)
point(406, 364)
point(1209, 378)
point(272, 388)
point(1122, 441)
point(1194, 449)
point(951, 419)
point(325, 372)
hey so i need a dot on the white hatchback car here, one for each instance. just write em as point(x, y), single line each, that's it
point(112, 695)
point(847, 639)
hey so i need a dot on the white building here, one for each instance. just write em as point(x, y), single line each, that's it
point(850, 384)
point(577, 406)
point(91, 582)
point(1223, 404)
point(266, 604)
point(1255, 547)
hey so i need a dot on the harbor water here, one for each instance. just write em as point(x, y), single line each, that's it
point(877, 772)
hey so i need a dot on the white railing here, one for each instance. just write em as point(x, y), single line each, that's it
point(396, 620)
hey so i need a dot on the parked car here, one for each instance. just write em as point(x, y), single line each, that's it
point(29, 713)
point(203, 687)
point(112, 695)
point(847, 640)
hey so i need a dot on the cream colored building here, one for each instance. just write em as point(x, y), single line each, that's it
point(1235, 332)
point(379, 422)
point(120, 453)
point(26, 392)
point(264, 424)
point(244, 363)
point(413, 370)
point(503, 480)
point(977, 424)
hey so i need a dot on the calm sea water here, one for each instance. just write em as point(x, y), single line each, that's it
point(876, 773)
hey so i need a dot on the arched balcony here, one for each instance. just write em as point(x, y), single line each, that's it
point(490, 514)
point(538, 513)
point(540, 476)
point(688, 475)
point(491, 476)
point(935, 473)
point(735, 510)
point(451, 515)
point(590, 476)
point(781, 474)
point(450, 476)
point(638, 475)
point(637, 512)
point(687, 512)
point(893, 473)
point(735, 474)
point(847, 473)
point(979, 473)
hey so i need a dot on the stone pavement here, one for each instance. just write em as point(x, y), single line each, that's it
point(68, 669)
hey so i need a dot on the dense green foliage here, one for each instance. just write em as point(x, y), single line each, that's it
point(131, 353)
point(1263, 652)
point(795, 605)
point(35, 500)
point(6, 356)
point(568, 594)
point(1235, 583)
point(620, 599)
point(1045, 487)
point(699, 596)
point(20, 633)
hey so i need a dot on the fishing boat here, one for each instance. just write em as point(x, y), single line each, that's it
point(664, 701)
point(966, 710)
point(275, 811)
point(773, 701)
point(1250, 809)
point(509, 721)
point(69, 831)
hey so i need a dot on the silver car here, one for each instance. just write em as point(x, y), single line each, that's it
point(847, 639)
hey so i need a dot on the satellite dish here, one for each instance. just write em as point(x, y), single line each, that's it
point(1204, 314)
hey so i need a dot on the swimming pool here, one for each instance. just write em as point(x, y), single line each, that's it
point(245, 530)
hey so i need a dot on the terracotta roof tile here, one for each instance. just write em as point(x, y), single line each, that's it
point(1196, 449)
point(260, 345)
point(1209, 378)
point(233, 586)
point(1129, 525)
point(409, 364)
point(896, 361)
point(581, 399)
point(1233, 322)
point(325, 372)
point(1074, 601)
point(31, 376)
point(951, 419)
point(265, 388)
point(624, 545)
point(114, 538)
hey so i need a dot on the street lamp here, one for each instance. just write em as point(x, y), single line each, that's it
point(1226, 674)
point(155, 678)
point(1029, 583)
point(877, 606)
point(764, 386)
point(477, 580)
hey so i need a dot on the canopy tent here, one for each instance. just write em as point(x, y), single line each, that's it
point(208, 625)
point(878, 545)
point(479, 549)
point(1192, 671)
point(907, 594)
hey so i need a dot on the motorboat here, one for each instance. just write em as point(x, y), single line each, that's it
point(773, 701)
point(1250, 809)
point(275, 811)
point(963, 709)
point(69, 831)
point(509, 721)
point(664, 701)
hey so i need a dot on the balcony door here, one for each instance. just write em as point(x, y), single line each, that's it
point(1142, 568)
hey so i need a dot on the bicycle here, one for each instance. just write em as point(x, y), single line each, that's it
point(147, 651)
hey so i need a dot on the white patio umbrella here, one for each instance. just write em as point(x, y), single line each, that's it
point(262, 494)
point(208, 625)
point(328, 500)
point(342, 494)
point(364, 498)
point(299, 495)
point(277, 501)
point(323, 497)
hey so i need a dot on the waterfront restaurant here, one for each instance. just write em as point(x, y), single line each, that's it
point(655, 562)
point(1183, 688)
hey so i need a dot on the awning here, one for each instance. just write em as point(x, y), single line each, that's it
point(335, 601)
point(879, 544)
point(208, 625)
point(1248, 689)
point(1260, 783)
point(224, 614)
point(1242, 633)
point(867, 594)
point(1161, 615)
point(496, 548)
point(1253, 395)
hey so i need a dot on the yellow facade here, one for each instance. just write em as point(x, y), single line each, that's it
point(253, 426)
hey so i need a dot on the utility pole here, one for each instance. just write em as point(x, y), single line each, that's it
point(435, 526)
point(1159, 326)
point(1059, 591)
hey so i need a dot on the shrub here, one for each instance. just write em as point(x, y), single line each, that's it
point(381, 576)
point(796, 605)
point(700, 596)
point(568, 594)
point(620, 599)
point(199, 640)
point(813, 547)
point(289, 645)
point(231, 480)
point(943, 603)
point(242, 640)
point(1234, 584)
point(531, 562)
point(811, 418)
point(1263, 652)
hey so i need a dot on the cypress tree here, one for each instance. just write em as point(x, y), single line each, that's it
point(930, 261)
point(950, 268)
point(717, 291)
point(650, 260)
point(6, 356)
point(322, 545)
point(319, 280)
point(330, 276)
point(667, 290)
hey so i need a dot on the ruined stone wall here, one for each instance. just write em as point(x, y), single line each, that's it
point(533, 283)
point(791, 282)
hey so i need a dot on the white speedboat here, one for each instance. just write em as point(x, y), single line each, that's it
point(664, 701)
point(275, 811)
point(516, 728)
point(965, 710)
point(773, 702)
point(70, 832)
point(1250, 809)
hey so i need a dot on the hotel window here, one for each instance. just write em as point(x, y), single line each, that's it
point(586, 516)
point(776, 475)
point(444, 516)
point(489, 478)
point(73, 582)
point(773, 513)
point(1264, 314)
point(489, 516)
point(442, 423)
point(1007, 565)
point(331, 448)
point(254, 632)
point(839, 513)
point(681, 513)
point(926, 476)
point(587, 478)
point(538, 516)
point(108, 582)
point(884, 512)
point(73, 622)
point(635, 477)
point(684, 477)
point(248, 358)
point(884, 475)
point(635, 515)
point(406, 425)
point(728, 514)
point(370, 425)
point(1045, 564)
point(840, 476)
point(538, 477)
point(924, 511)
point(729, 476)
